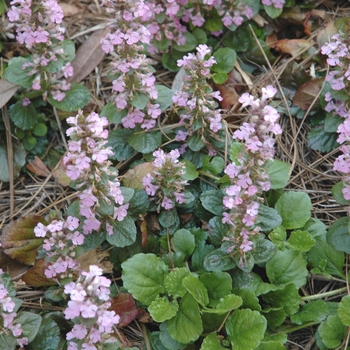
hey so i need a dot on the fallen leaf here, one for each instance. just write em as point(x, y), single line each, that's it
point(69, 9)
point(292, 46)
point(88, 56)
point(7, 90)
point(38, 167)
point(59, 173)
point(35, 276)
point(19, 241)
point(324, 35)
point(95, 257)
point(14, 268)
point(307, 94)
point(133, 177)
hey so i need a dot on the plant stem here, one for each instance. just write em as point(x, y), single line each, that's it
point(324, 295)
point(208, 175)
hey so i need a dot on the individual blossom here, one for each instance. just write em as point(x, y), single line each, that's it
point(196, 103)
point(88, 309)
point(88, 166)
point(9, 325)
point(165, 185)
point(253, 148)
point(278, 4)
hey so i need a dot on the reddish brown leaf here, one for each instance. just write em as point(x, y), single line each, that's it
point(133, 177)
point(307, 93)
point(7, 90)
point(292, 46)
point(35, 276)
point(19, 241)
point(88, 56)
point(144, 233)
point(38, 167)
point(14, 268)
point(95, 257)
point(124, 306)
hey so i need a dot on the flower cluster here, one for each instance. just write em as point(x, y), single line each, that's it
point(195, 103)
point(61, 240)
point(8, 316)
point(39, 28)
point(88, 165)
point(134, 84)
point(88, 309)
point(248, 173)
point(339, 79)
point(278, 4)
point(165, 185)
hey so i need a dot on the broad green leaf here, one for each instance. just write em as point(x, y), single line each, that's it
point(211, 342)
point(301, 240)
point(278, 236)
point(139, 100)
point(250, 300)
point(219, 261)
point(213, 23)
point(40, 129)
point(294, 208)
point(143, 277)
point(272, 11)
point(213, 165)
point(218, 284)
point(227, 303)
point(212, 201)
point(173, 282)
point(271, 345)
point(167, 340)
point(48, 336)
point(323, 251)
point(124, 232)
point(77, 97)
point(184, 242)
point(190, 171)
point(30, 323)
point(219, 77)
point(139, 204)
point(165, 96)
point(190, 44)
point(316, 228)
point(319, 139)
point(274, 317)
point(332, 122)
point(287, 266)
point(118, 140)
point(344, 310)
point(9, 342)
point(332, 331)
point(264, 249)
point(278, 173)
point(68, 55)
point(287, 299)
point(127, 193)
point(268, 218)
point(195, 142)
point(337, 192)
point(338, 234)
point(161, 309)
point(314, 311)
point(16, 75)
point(236, 151)
point(186, 326)
point(145, 142)
point(200, 35)
point(225, 60)
point(112, 114)
point(168, 218)
point(234, 39)
point(197, 289)
point(24, 117)
point(245, 329)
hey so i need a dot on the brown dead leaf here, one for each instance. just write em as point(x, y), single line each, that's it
point(95, 257)
point(7, 90)
point(35, 276)
point(133, 177)
point(69, 9)
point(14, 268)
point(88, 56)
point(307, 93)
point(292, 46)
point(324, 35)
point(38, 167)
point(59, 174)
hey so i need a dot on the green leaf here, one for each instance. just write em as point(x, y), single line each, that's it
point(211, 342)
point(245, 329)
point(139, 100)
point(173, 282)
point(338, 234)
point(195, 142)
point(271, 345)
point(272, 11)
point(48, 336)
point(143, 276)
point(278, 237)
point(8, 341)
point(264, 249)
point(320, 140)
point(218, 284)
point(197, 289)
point(227, 303)
point(15, 74)
point(314, 311)
point(191, 43)
point(278, 173)
point(186, 326)
point(161, 309)
point(190, 171)
point(337, 192)
point(40, 129)
point(294, 208)
point(236, 151)
point(234, 39)
point(344, 310)
point(118, 140)
point(225, 60)
point(301, 240)
point(145, 142)
point(124, 232)
point(220, 77)
point(213, 165)
point(213, 23)
point(212, 201)
point(112, 114)
point(30, 323)
point(139, 204)
point(219, 261)
point(268, 218)
point(200, 35)
point(332, 122)
point(287, 266)
point(184, 242)
point(332, 331)
point(24, 117)
point(168, 218)
point(165, 97)
point(19, 160)
point(68, 56)
point(77, 97)
point(167, 340)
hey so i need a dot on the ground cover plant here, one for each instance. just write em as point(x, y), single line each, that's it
point(175, 175)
